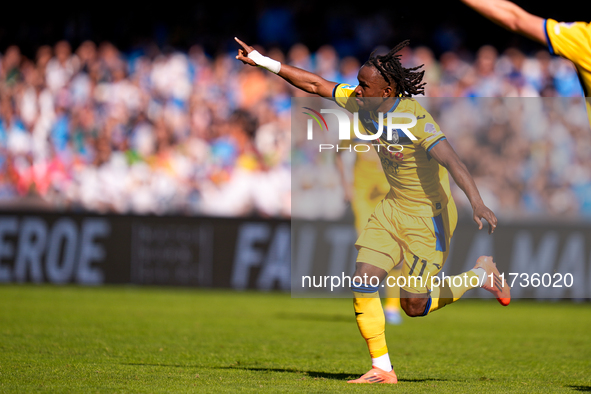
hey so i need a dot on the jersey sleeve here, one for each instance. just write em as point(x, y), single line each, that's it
point(427, 131)
point(343, 95)
point(570, 40)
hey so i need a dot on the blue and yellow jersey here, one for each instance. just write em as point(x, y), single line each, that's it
point(573, 42)
point(369, 182)
point(367, 170)
point(419, 186)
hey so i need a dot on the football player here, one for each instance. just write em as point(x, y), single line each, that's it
point(414, 222)
point(570, 40)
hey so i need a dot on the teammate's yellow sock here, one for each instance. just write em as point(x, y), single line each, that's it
point(452, 288)
point(392, 291)
point(371, 322)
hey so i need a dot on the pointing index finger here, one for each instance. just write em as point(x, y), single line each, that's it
point(242, 44)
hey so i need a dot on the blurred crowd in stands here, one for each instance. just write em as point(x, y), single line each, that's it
point(94, 129)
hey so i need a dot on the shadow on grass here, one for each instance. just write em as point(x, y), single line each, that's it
point(311, 374)
point(325, 375)
point(163, 365)
point(585, 389)
point(423, 380)
point(316, 317)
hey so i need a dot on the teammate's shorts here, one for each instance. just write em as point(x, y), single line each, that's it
point(422, 243)
point(365, 202)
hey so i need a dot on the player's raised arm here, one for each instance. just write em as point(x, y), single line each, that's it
point(301, 79)
point(444, 154)
point(511, 17)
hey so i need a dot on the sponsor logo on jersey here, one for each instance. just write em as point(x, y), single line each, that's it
point(430, 128)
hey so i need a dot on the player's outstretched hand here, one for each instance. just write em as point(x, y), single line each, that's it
point(243, 53)
point(482, 212)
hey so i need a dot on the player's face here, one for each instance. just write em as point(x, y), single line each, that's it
point(371, 84)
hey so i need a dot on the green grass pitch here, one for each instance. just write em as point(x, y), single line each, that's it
point(161, 340)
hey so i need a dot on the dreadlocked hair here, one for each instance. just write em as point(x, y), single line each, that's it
point(409, 81)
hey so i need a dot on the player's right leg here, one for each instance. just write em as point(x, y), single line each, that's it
point(363, 205)
point(378, 250)
point(370, 317)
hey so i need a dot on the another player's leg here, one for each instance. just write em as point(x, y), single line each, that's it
point(392, 303)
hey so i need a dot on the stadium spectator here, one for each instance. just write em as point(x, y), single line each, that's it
point(92, 128)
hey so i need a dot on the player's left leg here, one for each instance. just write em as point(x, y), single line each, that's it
point(449, 290)
point(426, 250)
point(424, 260)
point(420, 302)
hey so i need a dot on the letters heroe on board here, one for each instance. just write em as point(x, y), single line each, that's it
point(59, 253)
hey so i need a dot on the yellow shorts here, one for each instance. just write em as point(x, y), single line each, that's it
point(365, 201)
point(392, 236)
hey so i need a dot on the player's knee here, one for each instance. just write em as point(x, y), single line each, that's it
point(368, 273)
point(413, 307)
